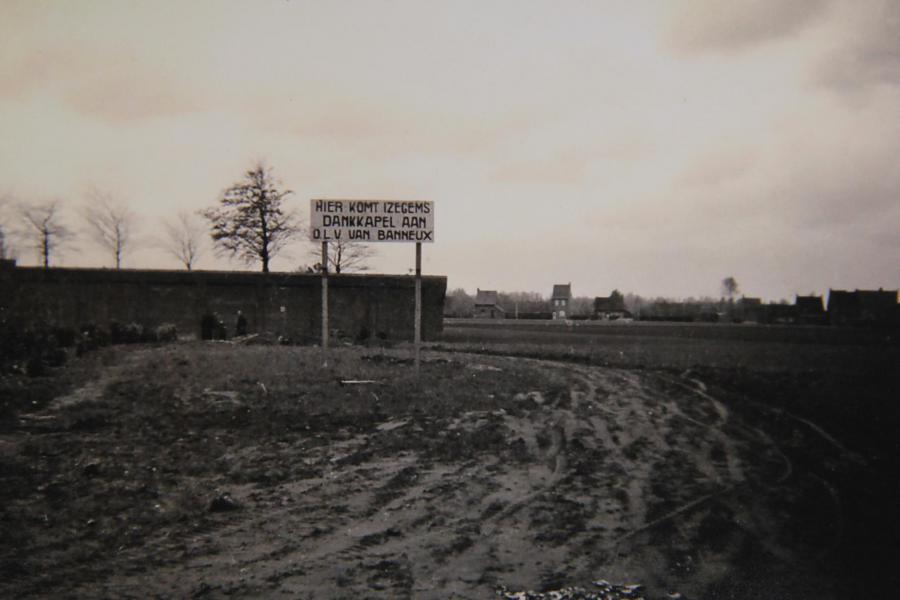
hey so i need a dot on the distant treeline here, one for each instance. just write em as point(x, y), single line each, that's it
point(859, 307)
point(531, 305)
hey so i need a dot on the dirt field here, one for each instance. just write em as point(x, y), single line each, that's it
point(217, 470)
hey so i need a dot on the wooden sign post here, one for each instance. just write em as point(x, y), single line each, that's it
point(368, 221)
point(417, 337)
point(324, 304)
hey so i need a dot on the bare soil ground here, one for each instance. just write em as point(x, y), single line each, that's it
point(215, 470)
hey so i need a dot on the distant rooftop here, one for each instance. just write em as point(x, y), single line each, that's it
point(486, 298)
point(810, 304)
point(562, 290)
point(609, 303)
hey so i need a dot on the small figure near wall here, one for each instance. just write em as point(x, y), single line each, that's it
point(211, 327)
point(207, 326)
point(240, 327)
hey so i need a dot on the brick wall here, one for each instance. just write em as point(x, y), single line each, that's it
point(381, 305)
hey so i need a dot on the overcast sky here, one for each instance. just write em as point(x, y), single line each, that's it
point(653, 147)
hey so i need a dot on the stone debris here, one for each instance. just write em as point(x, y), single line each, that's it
point(222, 397)
point(223, 502)
point(535, 397)
point(247, 339)
point(91, 469)
point(483, 367)
point(605, 591)
point(391, 425)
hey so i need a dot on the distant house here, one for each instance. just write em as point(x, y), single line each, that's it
point(862, 307)
point(487, 306)
point(560, 300)
point(809, 310)
point(610, 308)
point(749, 309)
point(781, 314)
point(662, 310)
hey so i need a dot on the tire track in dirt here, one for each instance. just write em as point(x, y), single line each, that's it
point(555, 425)
point(616, 386)
point(723, 416)
point(662, 419)
point(52, 417)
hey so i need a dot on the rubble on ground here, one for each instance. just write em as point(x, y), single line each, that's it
point(604, 591)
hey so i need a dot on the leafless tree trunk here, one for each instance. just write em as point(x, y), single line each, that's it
point(183, 239)
point(44, 228)
point(110, 223)
point(730, 288)
point(6, 248)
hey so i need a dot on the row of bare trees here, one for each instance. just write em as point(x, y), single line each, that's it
point(459, 303)
point(40, 226)
point(250, 223)
point(108, 223)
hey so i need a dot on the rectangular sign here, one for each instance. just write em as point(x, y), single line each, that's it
point(368, 221)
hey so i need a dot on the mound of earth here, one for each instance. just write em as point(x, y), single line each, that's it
point(250, 471)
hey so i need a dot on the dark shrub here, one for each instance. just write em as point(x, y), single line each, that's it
point(148, 335)
point(167, 332)
point(35, 367)
point(66, 337)
point(132, 333)
point(207, 326)
point(13, 347)
point(116, 333)
point(30, 347)
point(93, 337)
point(54, 356)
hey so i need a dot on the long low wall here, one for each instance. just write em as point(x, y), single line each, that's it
point(287, 304)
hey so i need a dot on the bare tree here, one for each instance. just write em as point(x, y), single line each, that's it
point(344, 256)
point(43, 227)
point(183, 239)
point(6, 246)
point(459, 304)
point(730, 288)
point(250, 222)
point(110, 223)
point(580, 306)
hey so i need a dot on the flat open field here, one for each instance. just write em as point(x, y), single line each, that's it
point(714, 465)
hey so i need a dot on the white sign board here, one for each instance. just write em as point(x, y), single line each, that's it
point(369, 221)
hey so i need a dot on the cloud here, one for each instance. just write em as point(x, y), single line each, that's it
point(719, 167)
point(566, 168)
point(113, 84)
point(377, 132)
point(809, 201)
point(867, 51)
point(804, 183)
point(850, 186)
point(713, 25)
